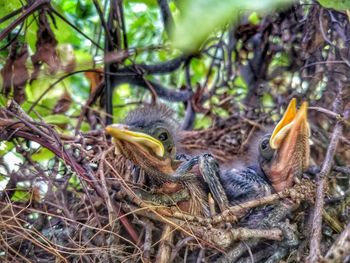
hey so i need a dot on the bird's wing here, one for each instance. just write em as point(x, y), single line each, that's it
point(244, 185)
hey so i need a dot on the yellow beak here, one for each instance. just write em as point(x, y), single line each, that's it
point(291, 120)
point(123, 133)
point(290, 139)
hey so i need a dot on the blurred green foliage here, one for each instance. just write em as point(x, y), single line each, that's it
point(199, 18)
point(339, 5)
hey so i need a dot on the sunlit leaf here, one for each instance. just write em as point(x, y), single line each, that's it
point(21, 195)
point(31, 30)
point(85, 127)
point(43, 155)
point(7, 7)
point(200, 18)
point(3, 100)
point(120, 97)
point(240, 85)
point(74, 182)
point(5, 147)
point(339, 5)
point(146, 2)
point(202, 122)
point(267, 100)
point(57, 119)
point(254, 18)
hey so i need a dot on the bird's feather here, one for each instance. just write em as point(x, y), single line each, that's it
point(245, 185)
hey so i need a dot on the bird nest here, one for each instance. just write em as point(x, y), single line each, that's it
point(82, 207)
point(226, 141)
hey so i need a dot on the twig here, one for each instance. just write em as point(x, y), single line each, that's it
point(316, 230)
point(149, 227)
point(27, 12)
point(103, 21)
point(201, 255)
point(341, 247)
point(179, 246)
point(328, 112)
point(165, 246)
point(303, 191)
point(74, 27)
point(219, 238)
point(167, 17)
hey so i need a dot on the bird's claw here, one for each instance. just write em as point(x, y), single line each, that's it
point(210, 171)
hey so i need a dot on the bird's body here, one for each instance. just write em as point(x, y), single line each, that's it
point(148, 139)
point(283, 156)
point(245, 185)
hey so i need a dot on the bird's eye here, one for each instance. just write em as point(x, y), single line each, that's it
point(264, 148)
point(264, 144)
point(163, 136)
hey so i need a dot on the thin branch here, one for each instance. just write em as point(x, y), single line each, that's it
point(316, 230)
point(167, 17)
point(341, 247)
point(103, 21)
point(158, 68)
point(13, 13)
point(27, 12)
point(328, 112)
point(75, 28)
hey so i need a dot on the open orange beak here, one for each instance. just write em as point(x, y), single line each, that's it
point(290, 139)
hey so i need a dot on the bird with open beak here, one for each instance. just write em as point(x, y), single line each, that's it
point(148, 139)
point(283, 156)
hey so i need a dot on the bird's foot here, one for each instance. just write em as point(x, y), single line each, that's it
point(210, 171)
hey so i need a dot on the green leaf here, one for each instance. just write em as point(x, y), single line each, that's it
point(21, 195)
point(43, 155)
point(70, 35)
point(7, 7)
point(31, 30)
point(254, 18)
point(202, 122)
point(5, 147)
point(85, 127)
point(3, 100)
point(267, 100)
point(57, 119)
point(199, 18)
point(74, 182)
point(240, 86)
point(121, 95)
point(339, 5)
point(152, 3)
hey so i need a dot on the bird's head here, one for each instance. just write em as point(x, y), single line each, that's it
point(147, 137)
point(285, 154)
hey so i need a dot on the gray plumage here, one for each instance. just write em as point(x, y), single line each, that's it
point(148, 116)
point(244, 185)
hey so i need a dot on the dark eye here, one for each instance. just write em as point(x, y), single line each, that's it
point(264, 144)
point(163, 136)
point(264, 148)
